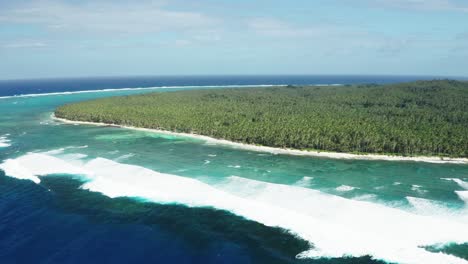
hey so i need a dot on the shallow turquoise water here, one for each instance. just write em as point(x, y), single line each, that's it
point(275, 184)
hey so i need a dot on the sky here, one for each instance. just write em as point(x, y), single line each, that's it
point(72, 38)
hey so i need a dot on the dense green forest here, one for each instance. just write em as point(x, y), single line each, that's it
point(418, 118)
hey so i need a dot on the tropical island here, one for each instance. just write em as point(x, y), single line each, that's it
point(423, 118)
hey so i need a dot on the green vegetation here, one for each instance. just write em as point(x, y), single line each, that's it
point(418, 118)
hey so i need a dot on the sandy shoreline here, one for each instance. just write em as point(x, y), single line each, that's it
point(324, 154)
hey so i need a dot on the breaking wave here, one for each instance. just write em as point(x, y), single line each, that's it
point(463, 195)
point(335, 226)
point(305, 181)
point(345, 188)
point(461, 183)
point(4, 141)
point(140, 88)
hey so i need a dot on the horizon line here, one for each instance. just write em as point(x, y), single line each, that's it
point(231, 75)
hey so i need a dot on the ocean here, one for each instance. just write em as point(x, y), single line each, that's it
point(41, 86)
point(86, 194)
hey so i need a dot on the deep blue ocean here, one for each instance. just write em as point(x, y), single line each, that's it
point(354, 203)
point(18, 87)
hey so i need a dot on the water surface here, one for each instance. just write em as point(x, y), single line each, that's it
point(81, 194)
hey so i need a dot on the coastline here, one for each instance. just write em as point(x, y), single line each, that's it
point(283, 151)
point(152, 88)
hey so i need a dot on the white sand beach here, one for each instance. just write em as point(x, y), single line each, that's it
point(284, 151)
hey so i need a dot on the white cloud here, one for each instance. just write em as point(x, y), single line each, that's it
point(103, 17)
point(25, 44)
point(344, 40)
point(424, 5)
point(278, 28)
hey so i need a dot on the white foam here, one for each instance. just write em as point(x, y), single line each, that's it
point(55, 151)
point(460, 182)
point(430, 207)
point(33, 165)
point(61, 150)
point(137, 89)
point(234, 166)
point(74, 156)
point(366, 197)
point(206, 162)
point(124, 157)
point(305, 181)
point(345, 188)
point(4, 141)
point(336, 226)
point(463, 195)
point(417, 188)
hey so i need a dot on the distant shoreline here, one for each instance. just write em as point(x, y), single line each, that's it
point(284, 151)
point(151, 88)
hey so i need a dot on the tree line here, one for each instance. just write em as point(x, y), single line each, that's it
point(417, 118)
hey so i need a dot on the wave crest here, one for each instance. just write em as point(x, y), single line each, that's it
point(4, 141)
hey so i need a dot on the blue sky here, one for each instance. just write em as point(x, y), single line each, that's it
point(69, 38)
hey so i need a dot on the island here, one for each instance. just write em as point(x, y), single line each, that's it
point(422, 118)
